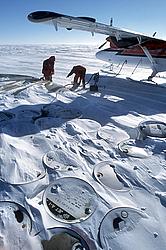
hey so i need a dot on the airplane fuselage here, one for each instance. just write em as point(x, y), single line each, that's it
point(133, 56)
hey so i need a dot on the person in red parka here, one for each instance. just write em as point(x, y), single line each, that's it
point(48, 68)
point(79, 72)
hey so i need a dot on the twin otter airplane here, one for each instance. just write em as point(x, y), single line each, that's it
point(125, 46)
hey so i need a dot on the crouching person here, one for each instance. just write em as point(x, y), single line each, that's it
point(79, 77)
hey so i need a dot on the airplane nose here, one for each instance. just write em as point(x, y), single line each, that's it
point(103, 55)
point(100, 55)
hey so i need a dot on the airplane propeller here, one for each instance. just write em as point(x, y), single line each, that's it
point(102, 45)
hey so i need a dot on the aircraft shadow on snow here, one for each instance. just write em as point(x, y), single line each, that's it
point(115, 99)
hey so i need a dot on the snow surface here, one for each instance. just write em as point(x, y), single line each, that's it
point(80, 132)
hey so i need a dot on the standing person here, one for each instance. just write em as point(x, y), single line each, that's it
point(79, 72)
point(48, 68)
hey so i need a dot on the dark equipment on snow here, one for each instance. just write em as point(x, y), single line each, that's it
point(95, 78)
point(94, 88)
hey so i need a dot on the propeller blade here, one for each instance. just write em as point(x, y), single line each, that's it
point(102, 45)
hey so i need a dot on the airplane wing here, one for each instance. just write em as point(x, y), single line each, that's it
point(82, 23)
point(125, 38)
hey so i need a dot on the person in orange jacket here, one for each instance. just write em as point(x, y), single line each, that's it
point(79, 72)
point(48, 68)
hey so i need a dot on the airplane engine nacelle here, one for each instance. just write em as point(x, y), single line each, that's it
point(37, 16)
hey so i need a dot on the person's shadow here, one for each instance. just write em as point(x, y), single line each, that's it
point(116, 97)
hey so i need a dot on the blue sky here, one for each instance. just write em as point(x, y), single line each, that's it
point(145, 16)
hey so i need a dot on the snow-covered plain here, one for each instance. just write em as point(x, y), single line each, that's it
point(116, 186)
